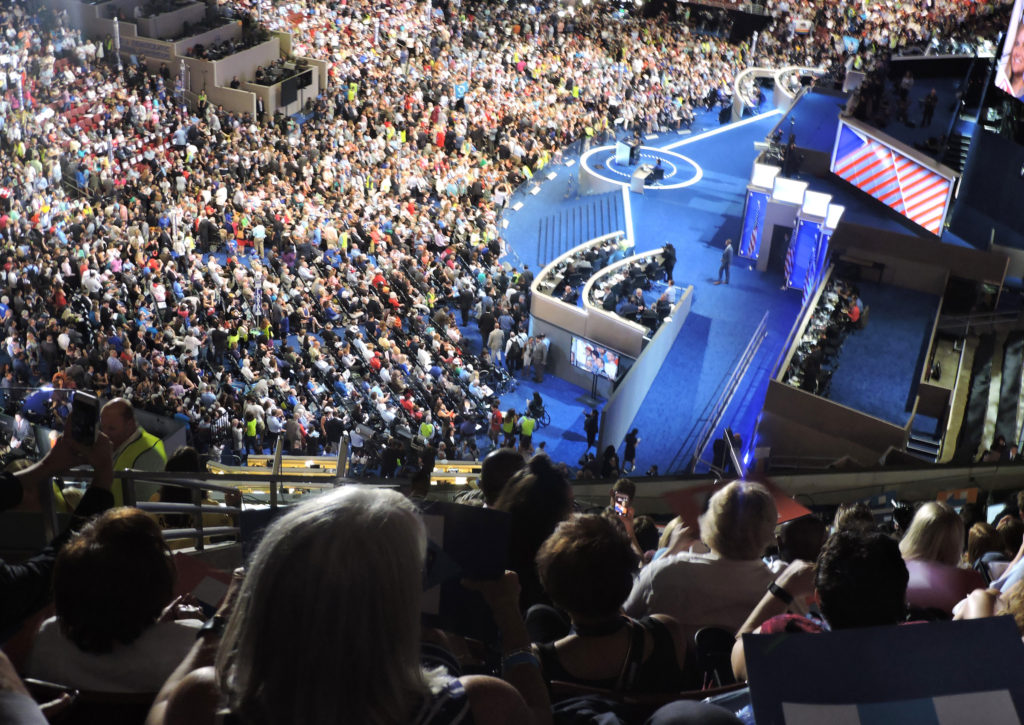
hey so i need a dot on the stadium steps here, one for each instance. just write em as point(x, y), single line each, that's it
point(924, 446)
point(975, 411)
point(957, 149)
point(995, 386)
point(958, 399)
point(578, 222)
point(1010, 387)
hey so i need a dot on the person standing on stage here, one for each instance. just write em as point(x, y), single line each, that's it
point(668, 261)
point(591, 427)
point(629, 455)
point(726, 262)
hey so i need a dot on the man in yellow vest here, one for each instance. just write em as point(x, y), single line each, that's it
point(134, 448)
point(527, 424)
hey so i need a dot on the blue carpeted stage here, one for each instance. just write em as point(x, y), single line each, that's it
point(879, 365)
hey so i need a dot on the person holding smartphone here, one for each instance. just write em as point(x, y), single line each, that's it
point(25, 587)
point(621, 505)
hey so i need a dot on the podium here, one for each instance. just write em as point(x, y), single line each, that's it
point(639, 178)
point(622, 151)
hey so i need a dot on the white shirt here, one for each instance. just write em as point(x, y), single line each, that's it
point(700, 590)
point(141, 666)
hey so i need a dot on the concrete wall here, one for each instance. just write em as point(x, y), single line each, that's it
point(916, 262)
point(622, 407)
point(798, 424)
point(171, 25)
point(216, 36)
point(244, 63)
point(321, 76)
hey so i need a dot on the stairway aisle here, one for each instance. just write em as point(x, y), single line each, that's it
point(958, 404)
point(994, 389)
point(577, 222)
point(1009, 393)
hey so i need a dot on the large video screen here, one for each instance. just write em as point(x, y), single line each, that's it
point(1010, 71)
point(919, 191)
point(593, 358)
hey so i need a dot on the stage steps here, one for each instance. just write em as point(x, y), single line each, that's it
point(924, 446)
point(957, 149)
point(577, 222)
point(972, 426)
point(1009, 388)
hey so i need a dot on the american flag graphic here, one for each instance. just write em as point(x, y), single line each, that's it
point(811, 278)
point(748, 251)
point(790, 258)
point(896, 180)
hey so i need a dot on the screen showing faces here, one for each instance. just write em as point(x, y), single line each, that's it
point(1010, 71)
point(593, 358)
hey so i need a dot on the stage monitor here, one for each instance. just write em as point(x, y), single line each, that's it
point(289, 91)
point(305, 79)
point(917, 189)
point(1010, 70)
point(593, 358)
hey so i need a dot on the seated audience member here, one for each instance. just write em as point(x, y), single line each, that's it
point(363, 638)
point(496, 469)
point(587, 569)
point(986, 551)
point(1011, 530)
point(933, 547)
point(113, 631)
point(718, 588)
point(800, 539)
point(25, 587)
point(537, 497)
point(646, 532)
point(676, 537)
point(853, 517)
point(992, 603)
point(860, 581)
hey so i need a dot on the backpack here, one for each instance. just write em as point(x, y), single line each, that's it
point(516, 350)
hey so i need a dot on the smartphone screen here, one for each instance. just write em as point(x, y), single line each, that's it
point(621, 503)
point(85, 413)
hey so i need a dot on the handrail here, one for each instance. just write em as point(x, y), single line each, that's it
point(731, 385)
point(977, 318)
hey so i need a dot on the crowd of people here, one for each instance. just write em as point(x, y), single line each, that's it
point(265, 278)
point(596, 601)
point(237, 272)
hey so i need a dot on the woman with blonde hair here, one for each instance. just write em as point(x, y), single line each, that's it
point(933, 547)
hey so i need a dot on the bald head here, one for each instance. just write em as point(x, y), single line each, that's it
point(117, 421)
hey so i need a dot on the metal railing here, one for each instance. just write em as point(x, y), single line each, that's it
point(729, 391)
point(715, 409)
point(964, 325)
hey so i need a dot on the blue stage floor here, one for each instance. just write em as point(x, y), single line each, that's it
point(878, 370)
point(698, 220)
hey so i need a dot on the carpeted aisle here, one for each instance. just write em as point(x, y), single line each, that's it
point(879, 366)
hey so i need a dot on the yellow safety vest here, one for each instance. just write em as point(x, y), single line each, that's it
point(130, 455)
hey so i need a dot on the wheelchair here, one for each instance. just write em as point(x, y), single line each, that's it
point(542, 416)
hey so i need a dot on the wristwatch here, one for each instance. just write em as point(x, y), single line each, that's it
point(776, 591)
